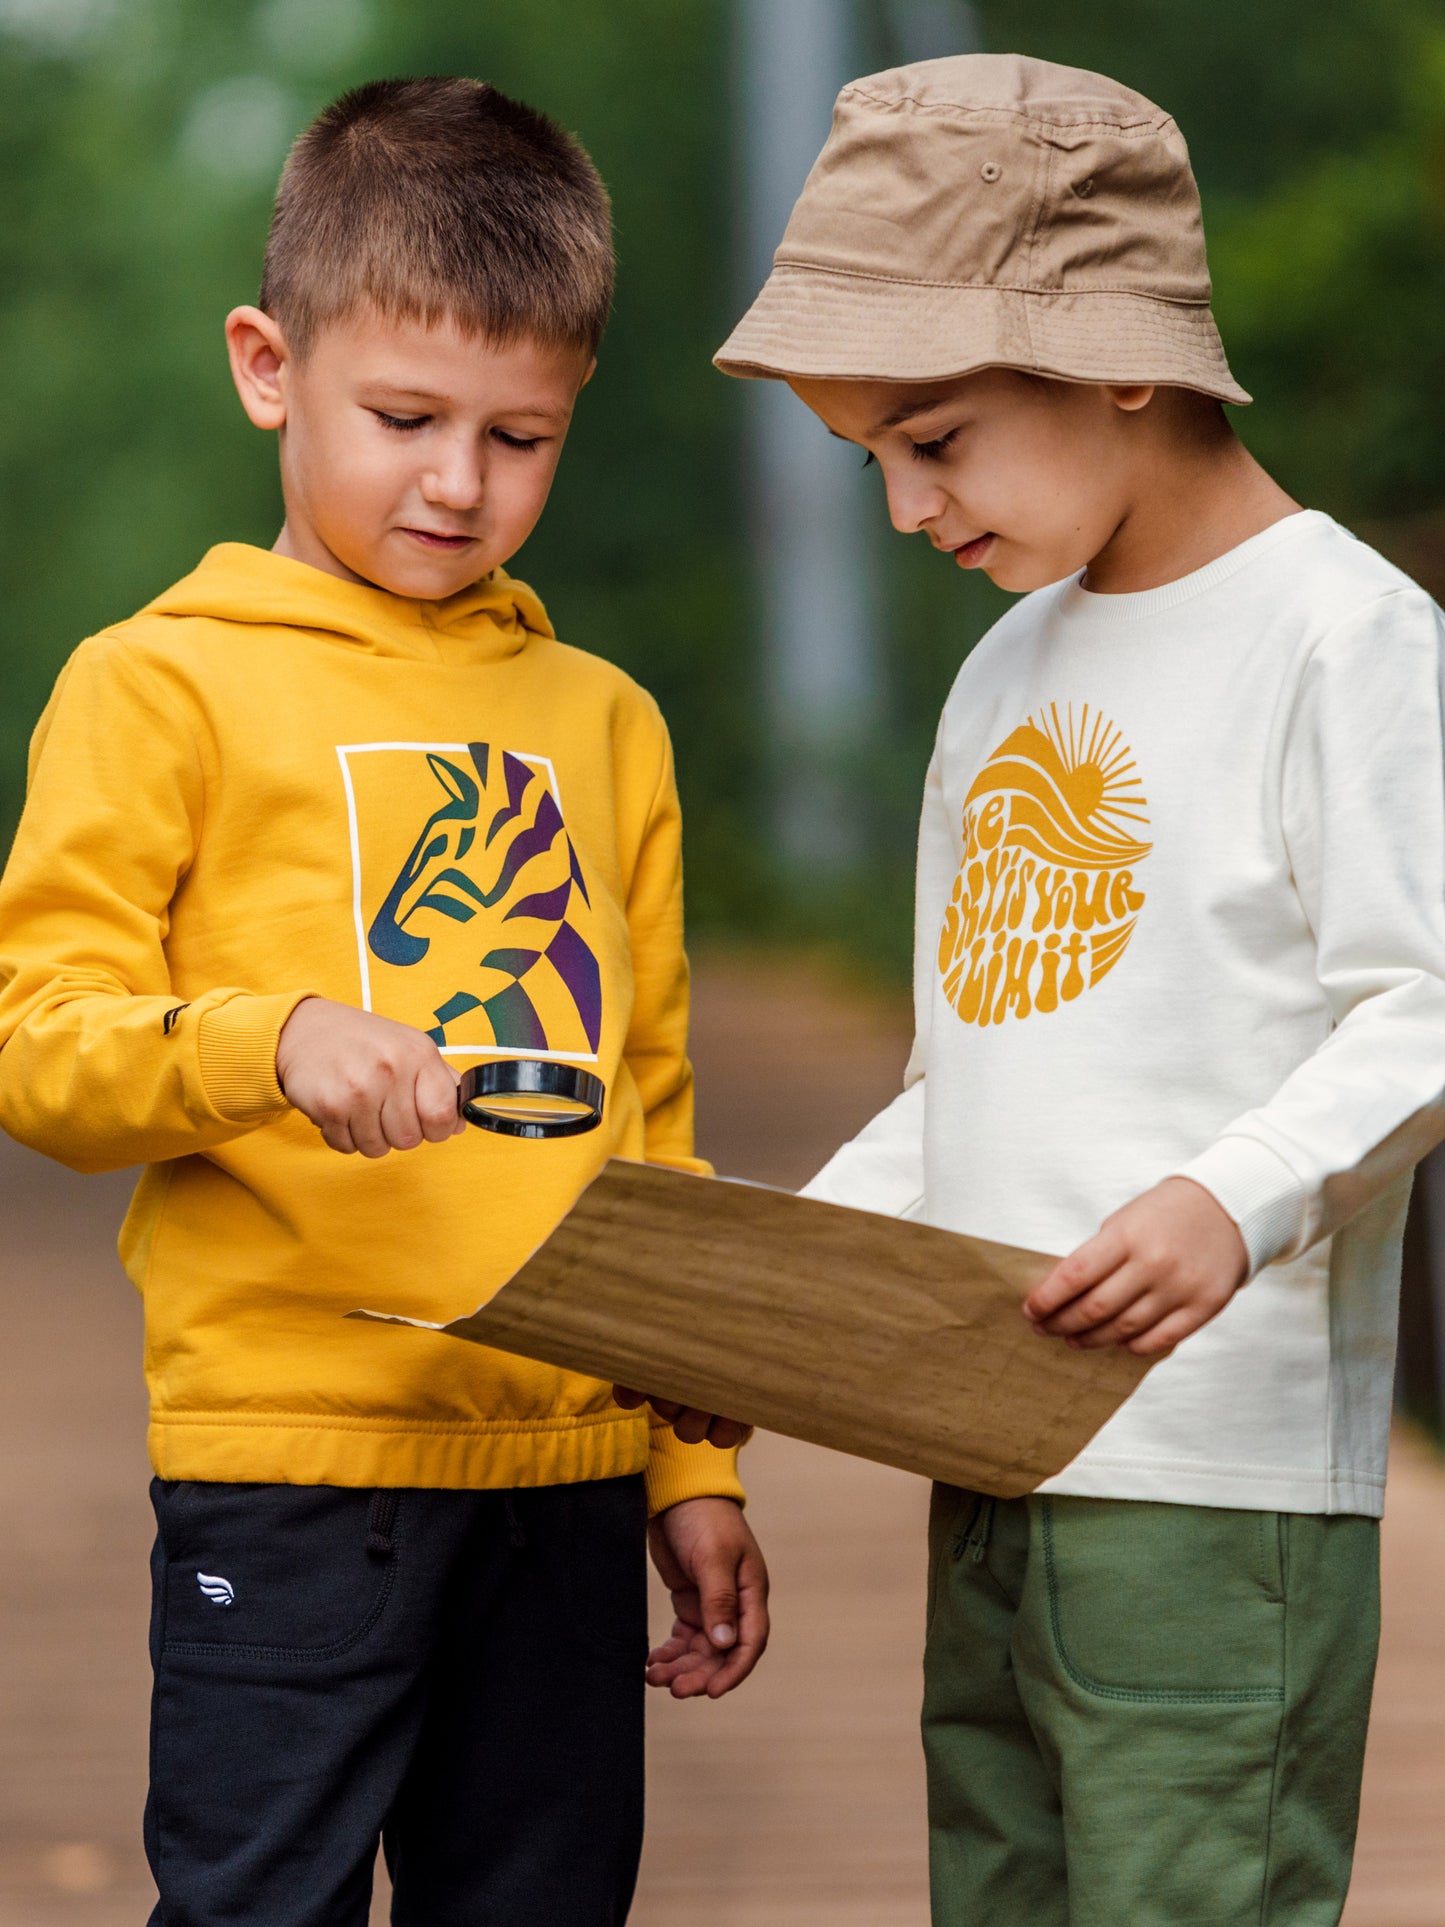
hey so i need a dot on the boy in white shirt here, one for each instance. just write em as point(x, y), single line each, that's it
point(1180, 988)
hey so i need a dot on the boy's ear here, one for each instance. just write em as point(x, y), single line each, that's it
point(1131, 396)
point(591, 371)
point(258, 354)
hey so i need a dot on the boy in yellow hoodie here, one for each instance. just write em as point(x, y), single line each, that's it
point(317, 830)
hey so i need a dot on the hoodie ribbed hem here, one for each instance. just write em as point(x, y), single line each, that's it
point(237, 1047)
point(305, 1448)
point(1258, 1190)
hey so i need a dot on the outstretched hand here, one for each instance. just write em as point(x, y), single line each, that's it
point(1153, 1273)
point(710, 1562)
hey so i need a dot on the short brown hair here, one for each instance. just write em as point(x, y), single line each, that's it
point(437, 199)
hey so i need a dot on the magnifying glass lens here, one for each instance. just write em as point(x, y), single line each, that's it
point(530, 1107)
point(531, 1097)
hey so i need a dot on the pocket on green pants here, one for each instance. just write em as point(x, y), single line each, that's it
point(1163, 1602)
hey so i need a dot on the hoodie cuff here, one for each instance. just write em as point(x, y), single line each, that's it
point(237, 1047)
point(1258, 1190)
point(676, 1471)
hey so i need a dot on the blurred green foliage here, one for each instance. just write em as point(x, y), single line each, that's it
point(139, 155)
point(139, 142)
point(1318, 136)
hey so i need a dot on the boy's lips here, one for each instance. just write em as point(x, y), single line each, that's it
point(434, 539)
point(968, 555)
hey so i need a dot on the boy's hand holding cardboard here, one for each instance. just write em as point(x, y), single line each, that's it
point(1154, 1272)
point(690, 1425)
point(367, 1083)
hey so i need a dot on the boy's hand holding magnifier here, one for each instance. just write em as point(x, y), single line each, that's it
point(372, 1085)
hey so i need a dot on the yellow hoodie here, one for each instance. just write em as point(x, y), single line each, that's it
point(271, 783)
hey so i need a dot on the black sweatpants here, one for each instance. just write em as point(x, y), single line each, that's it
point(459, 1674)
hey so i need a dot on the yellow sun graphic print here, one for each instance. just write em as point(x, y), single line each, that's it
point(1046, 901)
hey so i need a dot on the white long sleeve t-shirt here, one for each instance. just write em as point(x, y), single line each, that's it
point(1181, 911)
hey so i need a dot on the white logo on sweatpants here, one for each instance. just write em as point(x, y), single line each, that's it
point(220, 1592)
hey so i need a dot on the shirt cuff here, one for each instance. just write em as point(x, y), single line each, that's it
point(676, 1471)
point(1258, 1190)
point(237, 1048)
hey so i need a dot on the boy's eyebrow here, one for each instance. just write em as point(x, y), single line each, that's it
point(922, 406)
point(405, 388)
point(405, 391)
point(900, 415)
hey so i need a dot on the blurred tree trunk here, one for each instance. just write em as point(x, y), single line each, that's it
point(1420, 1375)
point(1416, 544)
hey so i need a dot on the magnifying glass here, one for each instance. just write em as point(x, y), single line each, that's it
point(531, 1097)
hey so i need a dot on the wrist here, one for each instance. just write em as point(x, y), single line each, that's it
point(238, 1042)
point(699, 1499)
point(286, 1038)
point(676, 1473)
point(1258, 1192)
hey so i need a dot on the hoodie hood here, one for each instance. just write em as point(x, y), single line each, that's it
point(236, 582)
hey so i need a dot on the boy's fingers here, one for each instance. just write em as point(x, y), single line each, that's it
point(1081, 1270)
point(685, 1665)
point(678, 1641)
point(436, 1102)
point(753, 1626)
point(725, 1433)
point(692, 1680)
point(1097, 1305)
point(690, 1425)
point(663, 1667)
point(1164, 1336)
point(717, 1585)
point(627, 1398)
point(364, 1124)
point(398, 1121)
point(1136, 1318)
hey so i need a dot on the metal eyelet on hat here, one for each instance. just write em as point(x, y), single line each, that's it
point(1084, 188)
point(991, 172)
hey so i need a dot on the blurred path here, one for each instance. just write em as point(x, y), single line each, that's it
point(798, 1802)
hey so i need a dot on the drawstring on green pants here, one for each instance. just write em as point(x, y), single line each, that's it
point(976, 1534)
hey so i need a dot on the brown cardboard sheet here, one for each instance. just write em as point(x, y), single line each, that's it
point(890, 1340)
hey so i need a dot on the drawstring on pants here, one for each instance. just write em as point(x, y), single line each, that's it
point(977, 1533)
point(381, 1523)
point(516, 1538)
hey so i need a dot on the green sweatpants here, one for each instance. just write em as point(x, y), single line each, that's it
point(1144, 1715)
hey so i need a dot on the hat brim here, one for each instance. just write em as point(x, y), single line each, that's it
point(823, 324)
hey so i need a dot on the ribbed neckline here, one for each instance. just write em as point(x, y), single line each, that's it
point(1087, 605)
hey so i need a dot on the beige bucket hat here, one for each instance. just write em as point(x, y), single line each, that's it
point(991, 211)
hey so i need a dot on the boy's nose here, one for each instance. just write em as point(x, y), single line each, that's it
point(455, 483)
point(912, 505)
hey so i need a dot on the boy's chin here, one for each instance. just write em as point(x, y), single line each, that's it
point(1022, 574)
point(1017, 579)
point(403, 567)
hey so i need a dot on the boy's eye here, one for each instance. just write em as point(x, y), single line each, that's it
point(402, 423)
point(930, 451)
point(516, 441)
